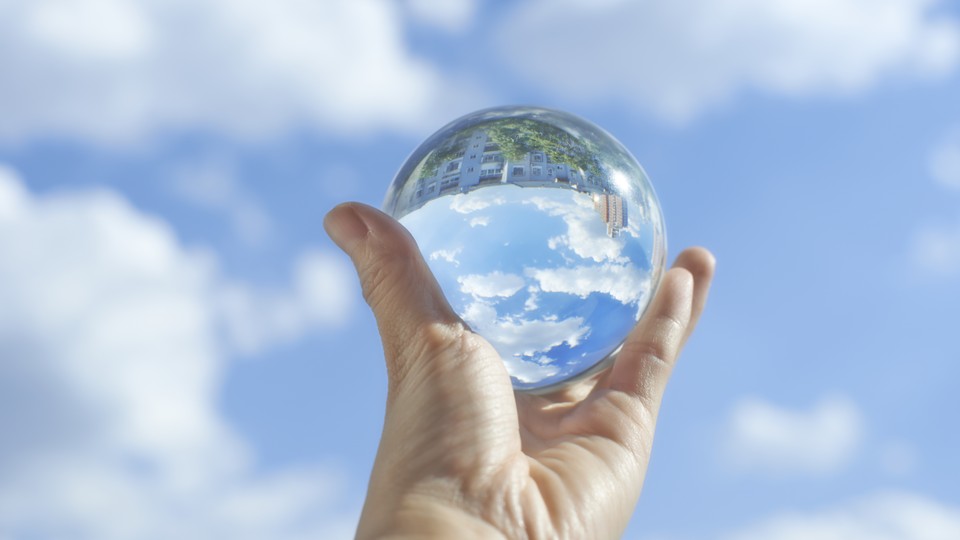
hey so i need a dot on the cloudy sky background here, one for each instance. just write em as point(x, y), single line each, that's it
point(183, 353)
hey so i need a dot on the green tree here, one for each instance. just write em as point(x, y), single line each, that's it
point(517, 137)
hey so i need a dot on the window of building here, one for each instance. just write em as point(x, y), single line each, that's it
point(518, 171)
point(538, 158)
point(536, 171)
point(453, 166)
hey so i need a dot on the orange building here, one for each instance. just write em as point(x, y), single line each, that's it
point(612, 212)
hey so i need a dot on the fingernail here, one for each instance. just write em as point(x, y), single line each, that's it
point(345, 227)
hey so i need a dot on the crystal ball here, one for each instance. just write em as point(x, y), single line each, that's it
point(544, 233)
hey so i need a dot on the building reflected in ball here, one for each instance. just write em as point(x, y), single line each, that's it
point(543, 231)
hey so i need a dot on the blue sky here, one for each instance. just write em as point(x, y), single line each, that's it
point(184, 354)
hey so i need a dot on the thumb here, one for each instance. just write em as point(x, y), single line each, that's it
point(396, 281)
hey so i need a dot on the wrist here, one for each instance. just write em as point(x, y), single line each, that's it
point(422, 519)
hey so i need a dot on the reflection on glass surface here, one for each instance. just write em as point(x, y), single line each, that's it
point(543, 232)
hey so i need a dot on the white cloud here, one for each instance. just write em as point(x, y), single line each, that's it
point(936, 249)
point(516, 337)
point(88, 499)
point(521, 342)
point(480, 221)
point(215, 187)
point(91, 30)
point(762, 436)
point(493, 285)
point(467, 203)
point(527, 371)
point(944, 161)
point(880, 516)
point(255, 319)
point(533, 299)
point(111, 364)
point(115, 71)
point(449, 15)
point(623, 282)
point(677, 59)
point(449, 255)
point(586, 233)
point(936, 246)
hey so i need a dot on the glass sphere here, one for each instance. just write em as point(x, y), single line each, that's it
point(544, 233)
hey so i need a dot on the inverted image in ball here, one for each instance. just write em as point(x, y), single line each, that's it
point(544, 233)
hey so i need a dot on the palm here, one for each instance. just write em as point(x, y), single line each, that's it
point(581, 446)
point(574, 459)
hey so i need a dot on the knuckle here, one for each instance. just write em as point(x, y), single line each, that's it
point(655, 353)
point(431, 349)
point(661, 344)
point(440, 343)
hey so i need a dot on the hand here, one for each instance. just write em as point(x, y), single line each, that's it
point(462, 455)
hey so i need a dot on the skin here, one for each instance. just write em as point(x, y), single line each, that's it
point(464, 456)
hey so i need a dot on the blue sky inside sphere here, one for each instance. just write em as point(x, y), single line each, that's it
point(526, 268)
point(184, 353)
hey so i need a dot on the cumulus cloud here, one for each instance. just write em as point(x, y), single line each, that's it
point(528, 371)
point(480, 221)
point(881, 516)
point(763, 436)
point(449, 255)
point(522, 342)
point(677, 59)
point(515, 338)
point(493, 285)
point(586, 233)
point(944, 162)
point(255, 319)
point(111, 355)
point(474, 202)
point(449, 15)
point(623, 282)
point(214, 187)
point(936, 249)
point(532, 303)
point(114, 71)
